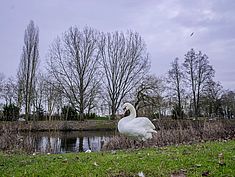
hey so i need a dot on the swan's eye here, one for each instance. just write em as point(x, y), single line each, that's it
point(127, 113)
point(124, 109)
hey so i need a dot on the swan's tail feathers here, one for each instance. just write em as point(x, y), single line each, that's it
point(149, 134)
point(152, 131)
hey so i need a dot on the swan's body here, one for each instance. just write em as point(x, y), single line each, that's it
point(137, 127)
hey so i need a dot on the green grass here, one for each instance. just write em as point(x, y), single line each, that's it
point(192, 159)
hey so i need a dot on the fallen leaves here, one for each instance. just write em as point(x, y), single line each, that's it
point(221, 159)
point(178, 174)
point(205, 173)
point(65, 160)
point(95, 164)
point(141, 174)
point(198, 165)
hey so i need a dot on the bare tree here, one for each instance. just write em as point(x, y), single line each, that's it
point(28, 66)
point(198, 72)
point(94, 96)
point(53, 96)
point(2, 79)
point(73, 62)
point(228, 104)
point(211, 98)
point(9, 91)
point(148, 96)
point(175, 81)
point(124, 62)
point(38, 97)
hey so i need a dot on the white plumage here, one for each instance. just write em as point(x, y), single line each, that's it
point(137, 127)
point(21, 120)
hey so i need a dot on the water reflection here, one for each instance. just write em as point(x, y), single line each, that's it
point(62, 142)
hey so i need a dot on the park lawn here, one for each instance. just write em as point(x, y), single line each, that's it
point(210, 158)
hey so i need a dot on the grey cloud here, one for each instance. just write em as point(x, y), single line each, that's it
point(165, 25)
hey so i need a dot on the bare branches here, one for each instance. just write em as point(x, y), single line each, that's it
point(148, 96)
point(79, 59)
point(28, 66)
point(124, 62)
point(176, 80)
point(73, 62)
point(198, 72)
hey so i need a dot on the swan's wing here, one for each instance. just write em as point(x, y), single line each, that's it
point(143, 122)
point(140, 127)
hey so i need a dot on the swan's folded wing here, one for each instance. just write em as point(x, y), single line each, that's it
point(143, 122)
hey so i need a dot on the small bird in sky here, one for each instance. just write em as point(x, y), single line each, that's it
point(191, 33)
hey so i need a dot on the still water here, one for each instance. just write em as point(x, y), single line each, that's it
point(62, 142)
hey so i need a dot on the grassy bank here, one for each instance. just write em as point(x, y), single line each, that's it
point(211, 158)
point(59, 125)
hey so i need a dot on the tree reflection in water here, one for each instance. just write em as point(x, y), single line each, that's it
point(62, 142)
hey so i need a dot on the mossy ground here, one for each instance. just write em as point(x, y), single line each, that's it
point(210, 158)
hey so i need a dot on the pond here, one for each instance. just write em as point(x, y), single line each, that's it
point(63, 142)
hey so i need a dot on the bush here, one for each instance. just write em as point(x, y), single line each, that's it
point(90, 116)
point(177, 112)
point(93, 116)
point(10, 112)
point(39, 113)
point(69, 113)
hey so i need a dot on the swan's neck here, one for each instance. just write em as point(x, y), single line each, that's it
point(133, 112)
point(131, 116)
point(122, 123)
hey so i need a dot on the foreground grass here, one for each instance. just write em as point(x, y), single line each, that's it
point(213, 158)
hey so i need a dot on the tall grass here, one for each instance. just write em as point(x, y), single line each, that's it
point(11, 139)
point(171, 132)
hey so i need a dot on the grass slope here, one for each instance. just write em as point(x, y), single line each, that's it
point(213, 158)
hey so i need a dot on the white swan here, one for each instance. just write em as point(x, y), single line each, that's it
point(137, 127)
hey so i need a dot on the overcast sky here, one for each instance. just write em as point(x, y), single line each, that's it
point(165, 25)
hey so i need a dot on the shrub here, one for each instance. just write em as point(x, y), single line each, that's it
point(94, 116)
point(177, 112)
point(11, 112)
point(69, 113)
point(39, 113)
point(90, 116)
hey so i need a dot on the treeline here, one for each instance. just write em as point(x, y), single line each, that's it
point(90, 73)
point(193, 91)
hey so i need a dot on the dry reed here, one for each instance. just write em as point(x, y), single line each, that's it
point(178, 132)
